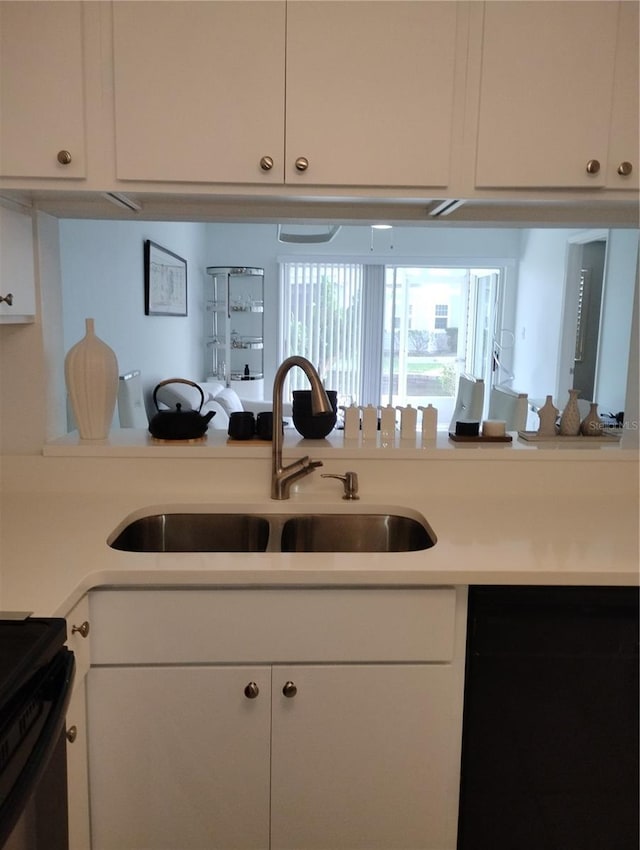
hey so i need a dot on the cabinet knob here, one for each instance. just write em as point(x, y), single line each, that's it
point(289, 690)
point(625, 169)
point(64, 157)
point(82, 629)
point(8, 299)
point(72, 734)
point(251, 691)
point(266, 163)
point(302, 163)
point(593, 166)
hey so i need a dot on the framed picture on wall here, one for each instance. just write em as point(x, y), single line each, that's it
point(165, 282)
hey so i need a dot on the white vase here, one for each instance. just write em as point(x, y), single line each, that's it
point(91, 376)
point(570, 419)
point(429, 422)
point(548, 415)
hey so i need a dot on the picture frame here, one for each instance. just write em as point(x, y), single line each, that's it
point(165, 281)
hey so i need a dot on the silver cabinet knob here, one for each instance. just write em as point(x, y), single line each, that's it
point(72, 734)
point(593, 166)
point(64, 157)
point(266, 163)
point(251, 691)
point(289, 690)
point(8, 299)
point(302, 163)
point(83, 629)
point(625, 169)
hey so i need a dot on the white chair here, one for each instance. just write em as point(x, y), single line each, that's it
point(469, 401)
point(509, 405)
point(131, 409)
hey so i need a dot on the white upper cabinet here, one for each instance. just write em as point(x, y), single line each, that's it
point(546, 93)
point(436, 98)
point(17, 281)
point(42, 125)
point(624, 147)
point(199, 91)
point(370, 92)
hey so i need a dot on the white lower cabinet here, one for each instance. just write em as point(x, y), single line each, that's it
point(79, 642)
point(361, 758)
point(179, 758)
point(77, 773)
point(288, 755)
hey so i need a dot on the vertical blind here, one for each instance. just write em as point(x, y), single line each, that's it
point(321, 319)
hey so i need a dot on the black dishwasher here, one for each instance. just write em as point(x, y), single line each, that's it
point(551, 715)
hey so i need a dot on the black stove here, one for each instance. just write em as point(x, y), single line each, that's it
point(36, 674)
point(26, 646)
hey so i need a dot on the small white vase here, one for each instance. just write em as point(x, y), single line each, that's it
point(429, 422)
point(592, 425)
point(570, 419)
point(91, 376)
point(548, 415)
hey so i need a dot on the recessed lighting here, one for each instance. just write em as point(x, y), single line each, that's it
point(382, 226)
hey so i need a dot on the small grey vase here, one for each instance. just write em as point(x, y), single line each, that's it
point(548, 415)
point(592, 425)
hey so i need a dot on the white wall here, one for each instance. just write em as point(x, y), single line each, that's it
point(257, 245)
point(538, 325)
point(103, 278)
point(542, 358)
point(615, 322)
point(102, 274)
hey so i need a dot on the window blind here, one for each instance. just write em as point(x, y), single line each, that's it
point(321, 319)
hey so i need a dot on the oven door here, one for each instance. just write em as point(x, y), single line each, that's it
point(33, 773)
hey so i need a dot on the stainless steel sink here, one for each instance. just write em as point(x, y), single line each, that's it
point(354, 533)
point(252, 532)
point(194, 532)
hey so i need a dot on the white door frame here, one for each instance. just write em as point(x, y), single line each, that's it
point(573, 264)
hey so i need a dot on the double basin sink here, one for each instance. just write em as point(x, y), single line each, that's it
point(254, 532)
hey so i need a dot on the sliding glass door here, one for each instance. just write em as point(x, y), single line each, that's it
point(394, 334)
point(438, 324)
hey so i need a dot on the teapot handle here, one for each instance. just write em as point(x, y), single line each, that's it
point(178, 381)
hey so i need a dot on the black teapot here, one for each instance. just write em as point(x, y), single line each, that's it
point(179, 424)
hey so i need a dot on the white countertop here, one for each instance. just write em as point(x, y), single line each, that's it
point(569, 518)
point(132, 442)
point(533, 550)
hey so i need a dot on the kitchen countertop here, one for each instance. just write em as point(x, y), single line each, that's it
point(134, 442)
point(535, 550)
point(570, 518)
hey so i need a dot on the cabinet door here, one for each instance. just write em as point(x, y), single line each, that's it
point(199, 90)
point(16, 266)
point(77, 772)
point(365, 758)
point(370, 92)
point(179, 758)
point(545, 93)
point(623, 139)
point(41, 90)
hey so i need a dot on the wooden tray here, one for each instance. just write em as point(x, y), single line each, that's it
point(479, 439)
point(534, 437)
point(202, 439)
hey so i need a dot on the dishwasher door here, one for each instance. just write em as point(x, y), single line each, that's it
point(550, 734)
